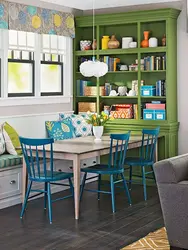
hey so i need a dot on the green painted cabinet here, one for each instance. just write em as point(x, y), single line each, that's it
point(133, 24)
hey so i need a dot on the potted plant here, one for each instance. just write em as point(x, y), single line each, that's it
point(98, 121)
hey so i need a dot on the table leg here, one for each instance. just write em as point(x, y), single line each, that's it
point(76, 172)
point(24, 180)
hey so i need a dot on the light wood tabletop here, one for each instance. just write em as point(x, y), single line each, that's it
point(77, 149)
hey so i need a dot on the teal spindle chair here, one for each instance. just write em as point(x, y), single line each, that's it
point(146, 158)
point(114, 167)
point(38, 171)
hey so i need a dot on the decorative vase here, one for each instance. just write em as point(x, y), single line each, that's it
point(98, 131)
point(122, 90)
point(164, 40)
point(105, 40)
point(94, 44)
point(113, 43)
point(145, 42)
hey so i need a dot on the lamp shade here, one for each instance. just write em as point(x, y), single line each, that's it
point(93, 68)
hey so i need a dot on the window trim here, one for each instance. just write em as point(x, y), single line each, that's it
point(62, 73)
point(32, 62)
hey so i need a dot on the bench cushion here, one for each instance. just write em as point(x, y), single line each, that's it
point(7, 160)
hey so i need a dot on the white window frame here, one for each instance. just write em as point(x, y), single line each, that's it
point(37, 99)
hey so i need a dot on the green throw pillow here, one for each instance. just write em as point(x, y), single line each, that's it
point(12, 141)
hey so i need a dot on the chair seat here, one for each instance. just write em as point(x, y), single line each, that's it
point(102, 169)
point(57, 176)
point(137, 161)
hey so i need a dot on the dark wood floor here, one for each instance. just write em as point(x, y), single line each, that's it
point(97, 228)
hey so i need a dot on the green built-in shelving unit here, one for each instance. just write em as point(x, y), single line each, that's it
point(133, 24)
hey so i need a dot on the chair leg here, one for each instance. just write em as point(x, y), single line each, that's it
point(45, 195)
point(49, 203)
point(26, 199)
point(83, 185)
point(99, 186)
point(126, 189)
point(112, 192)
point(71, 187)
point(144, 182)
point(130, 177)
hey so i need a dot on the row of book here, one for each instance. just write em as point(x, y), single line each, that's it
point(81, 84)
point(161, 88)
point(155, 62)
point(112, 62)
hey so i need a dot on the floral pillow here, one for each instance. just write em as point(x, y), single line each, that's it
point(60, 130)
point(82, 128)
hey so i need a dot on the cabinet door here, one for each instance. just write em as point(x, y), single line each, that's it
point(10, 183)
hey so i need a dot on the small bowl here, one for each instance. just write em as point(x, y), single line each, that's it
point(85, 45)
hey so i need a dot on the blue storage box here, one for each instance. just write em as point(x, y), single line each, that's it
point(148, 90)
point(149, 114)
point(154, 114)
point(160, 114)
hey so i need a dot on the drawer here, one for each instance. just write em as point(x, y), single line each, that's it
point(10, 183)
point(88, 162)
point(63, 166)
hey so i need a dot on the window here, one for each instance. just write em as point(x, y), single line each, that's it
point(21, 64)
point(52, 57)
point(34, 65)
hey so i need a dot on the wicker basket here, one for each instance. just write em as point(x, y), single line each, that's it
point(92, 91)
point(87, 106)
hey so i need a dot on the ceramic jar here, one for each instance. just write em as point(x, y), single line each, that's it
point(113, 43)
point(145, 42)
point(153, 42)
point(85, 45)
point(132, 44)
point(126, 41)
point(105, 40)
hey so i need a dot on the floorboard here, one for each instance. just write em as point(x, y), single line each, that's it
point(97, 227)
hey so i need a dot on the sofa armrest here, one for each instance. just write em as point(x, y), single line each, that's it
point(172, 170)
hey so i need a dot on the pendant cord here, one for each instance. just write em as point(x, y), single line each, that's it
point(93, 25)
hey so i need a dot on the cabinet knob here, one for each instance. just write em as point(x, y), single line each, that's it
point(12, 182)
point(59, 170)
point(71, 167)
point(94, 162)
point(84, 164)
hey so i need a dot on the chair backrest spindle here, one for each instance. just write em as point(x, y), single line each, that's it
point(34, 152)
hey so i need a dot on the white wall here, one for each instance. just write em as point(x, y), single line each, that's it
point(183, 80)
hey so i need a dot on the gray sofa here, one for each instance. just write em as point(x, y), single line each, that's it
point(172, 182)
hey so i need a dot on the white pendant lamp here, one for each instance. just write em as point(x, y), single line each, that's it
point(93, 68)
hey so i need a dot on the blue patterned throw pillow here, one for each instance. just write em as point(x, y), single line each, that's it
point(60, 130)
point(82, 128)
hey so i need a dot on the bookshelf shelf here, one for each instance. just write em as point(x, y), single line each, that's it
point(153, 71)
point(119, 97)
point(164, 58)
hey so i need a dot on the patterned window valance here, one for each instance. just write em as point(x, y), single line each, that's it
point(21, 17)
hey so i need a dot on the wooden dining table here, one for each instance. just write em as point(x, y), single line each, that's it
point(77, 149)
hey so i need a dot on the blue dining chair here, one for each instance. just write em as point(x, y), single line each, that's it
point(38, 171)
point(114, 167)
point(146, 158)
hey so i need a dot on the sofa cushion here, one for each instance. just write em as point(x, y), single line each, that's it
point(60, 130)
point(2, 142)
point(82, 128)
point(12, 142)
point(7, 160)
